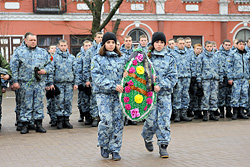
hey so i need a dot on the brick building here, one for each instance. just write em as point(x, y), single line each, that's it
point(52, 20)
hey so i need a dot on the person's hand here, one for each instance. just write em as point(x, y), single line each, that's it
point(230, 82)
point(125, 74)
point(119, 88)
point(87, 84)
point(16, 86)
point(47, 88)
point(157, 88)
point(52, 87)
point(42, 72)
point(75, 87)
point(3, 90)
point(5, 77)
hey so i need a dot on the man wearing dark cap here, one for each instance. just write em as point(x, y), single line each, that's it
point(238, 76)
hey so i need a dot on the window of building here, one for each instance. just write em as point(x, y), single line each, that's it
point(50, 6)
point(45, 41)
point(76, 42)
point(241, 1)
point(189, 1)
point(195, 39)
point(135, 34)
point(243, 34)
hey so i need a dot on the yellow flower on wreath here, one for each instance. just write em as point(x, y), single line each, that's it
point(140, 70)
point(138, 98)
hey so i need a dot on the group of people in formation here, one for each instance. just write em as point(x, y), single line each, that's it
point(190, 81)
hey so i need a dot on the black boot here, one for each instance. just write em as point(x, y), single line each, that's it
point(19, 126)
point(183, 116)
point(24, 128)
point(190, 113)
point(222, 112)
point(81, 118)
point(53, 123)
point(132, 122)
point(205, 116)
point(60, 122)
point(31, 126)
point(67, 124)
point(39, 127)
point(241, 113)
point(216, 113)
point(228, 112)
point(212, 116)
point(177, 115)
point(149, 146)
point(248, 113)
point(235, 113)
point(95, 122)
point(125, 121)
point(88, 118)
point(0, 126)
point(163, 151)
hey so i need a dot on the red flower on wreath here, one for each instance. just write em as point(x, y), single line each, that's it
point(149, 101)
point(126, 99)
point(127, 106)
point(127, 89)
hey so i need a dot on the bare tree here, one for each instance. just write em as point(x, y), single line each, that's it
point(95, 7)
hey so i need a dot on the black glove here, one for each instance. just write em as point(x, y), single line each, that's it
point(200, 92)
point(87, 90)
point(221, 84)
point(80, 87)
point(191, 89)
point(199, 85)
point(37, 76)
point(193, 80)
point(228, 85)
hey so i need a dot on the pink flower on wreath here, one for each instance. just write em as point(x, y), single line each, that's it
point(135, 113)
point(145, 108)
point(135, 62)
point(139, 57)
point(149, 94)
point(127, 89)
point(130, 83)
point(149, 101)
point(126, 99)
point(127, 106)
point(131, 70)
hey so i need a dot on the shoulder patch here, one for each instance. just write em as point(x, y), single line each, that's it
point(92, 65)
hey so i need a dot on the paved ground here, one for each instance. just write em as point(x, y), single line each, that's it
point(202, 144)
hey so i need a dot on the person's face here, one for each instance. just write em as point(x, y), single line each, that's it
point(248, 43)
point(209, 47)
point(241, 46)
point(181, 44)
point(98, 38)
point(235, 43)
point(86, 46)
point(227, 45)
point(118, 45)
point(214, 46)
point(143, 42)
point(171, 44)
point(52, 49)
point(63, 46)
point(110, 45)
point(128, 43)
point(159, 45)
point(31, 41)
point(188, 43)
point(198, 50)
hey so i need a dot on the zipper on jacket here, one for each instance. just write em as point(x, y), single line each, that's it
point(243, 64)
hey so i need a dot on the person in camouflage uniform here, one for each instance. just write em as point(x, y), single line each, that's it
point(4, 76)
point(127, 48)
point(51, 101)
point(64, 77)
point(185, 69)
point(237, 66)
point(209, 74)
point(107, 70)
point(32, 88)
point(143, 44)
point(171, 45)
point(195, 101)
point(224, 90)
point(83, 98)
point(90, 53)
point(158, 121)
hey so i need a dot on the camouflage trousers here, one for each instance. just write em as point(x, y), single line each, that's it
point(195, 101)
point(64, 99)
point(1, 97)
point(83, 101)
point(93, 104)
point(31, 103)
point(239, 96)
point(248, 105)
point(209, 101)
point(110, 128)
point(224, 96)
point(51, 108)
point(158, 121)
point(181, 97)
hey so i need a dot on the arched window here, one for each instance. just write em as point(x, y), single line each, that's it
point(135, 34)
point(243, 34)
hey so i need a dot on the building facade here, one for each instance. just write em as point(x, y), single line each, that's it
point(52, 20)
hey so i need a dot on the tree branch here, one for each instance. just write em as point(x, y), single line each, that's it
point(117, 23)
point(89, 5)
